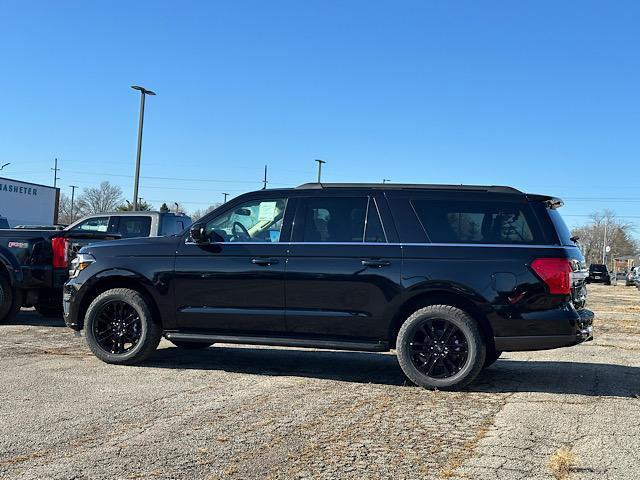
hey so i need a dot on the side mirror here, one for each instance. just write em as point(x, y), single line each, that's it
point(198, 233)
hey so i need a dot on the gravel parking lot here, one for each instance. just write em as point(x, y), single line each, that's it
point(249, 412)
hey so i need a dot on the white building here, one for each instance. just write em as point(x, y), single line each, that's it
point(25, 203)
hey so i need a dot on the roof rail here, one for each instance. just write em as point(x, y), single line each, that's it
point(411, 186)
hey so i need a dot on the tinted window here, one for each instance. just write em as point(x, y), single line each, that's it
point(561, 228)
point(130, 227)
point(597, 268)
point(172, 225)
point(460, 221)
point(331, 219)
point(374, 229)
point(95, 224)
point(254, 221)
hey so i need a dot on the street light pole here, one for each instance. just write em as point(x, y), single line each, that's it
point(320, 162)
point(143, 93)
point(5, 165)
point(225, 197)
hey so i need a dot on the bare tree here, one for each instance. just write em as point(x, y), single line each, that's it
point(198, 214)
point(105, 198)
point(605, 229)
point(64, 210)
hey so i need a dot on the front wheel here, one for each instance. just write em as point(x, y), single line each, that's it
point(119, 327)
point(440, 346)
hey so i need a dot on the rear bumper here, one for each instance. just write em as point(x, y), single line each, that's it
point(583, 333)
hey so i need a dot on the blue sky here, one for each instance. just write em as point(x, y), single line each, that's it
point(540, 95)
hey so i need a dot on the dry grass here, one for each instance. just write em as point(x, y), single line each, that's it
point(561, 462)
point(456, 460)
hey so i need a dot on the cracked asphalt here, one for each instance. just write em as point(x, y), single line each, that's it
point(241, 412)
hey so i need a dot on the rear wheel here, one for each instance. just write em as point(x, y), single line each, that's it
point(191, 345)
point(119, 327)
point(10, 300)
point(440, 346)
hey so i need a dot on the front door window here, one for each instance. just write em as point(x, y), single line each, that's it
point(254, 221)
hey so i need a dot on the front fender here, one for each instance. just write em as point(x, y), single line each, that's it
point(80, 291)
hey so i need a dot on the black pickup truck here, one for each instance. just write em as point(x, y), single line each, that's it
point(448, 276)
point(34, 264)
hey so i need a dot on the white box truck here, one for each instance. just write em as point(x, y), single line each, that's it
point(23, 203)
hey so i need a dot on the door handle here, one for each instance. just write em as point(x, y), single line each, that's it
point(264, 262)
point(375, 263)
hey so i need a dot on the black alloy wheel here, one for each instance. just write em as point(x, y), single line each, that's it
point(439, 349)
point(441, 346)
point(118, 327)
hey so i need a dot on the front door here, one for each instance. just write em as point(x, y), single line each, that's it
point(342, 273)
point(235, 281)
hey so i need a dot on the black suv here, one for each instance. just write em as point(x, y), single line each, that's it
point(449, 276)
point(599, 273)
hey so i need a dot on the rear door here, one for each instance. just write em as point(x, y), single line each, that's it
point(342, 271)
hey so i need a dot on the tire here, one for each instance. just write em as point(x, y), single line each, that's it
point(191, 345)
point(491, 357)
point(117, 318)
point(411, 350)
point(10, 300)
point(49, 310)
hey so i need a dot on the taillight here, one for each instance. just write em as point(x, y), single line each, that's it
point(555, 273)
point(60, 248)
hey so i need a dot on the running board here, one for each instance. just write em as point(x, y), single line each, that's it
point(362, 346)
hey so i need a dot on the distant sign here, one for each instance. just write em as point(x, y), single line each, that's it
point(24, 203)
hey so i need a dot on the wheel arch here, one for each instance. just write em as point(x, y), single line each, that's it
point(441, 297)
point(118, 279)
point(10, 267)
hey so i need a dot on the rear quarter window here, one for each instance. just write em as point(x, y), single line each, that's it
point(485, 222)
point(564, 234)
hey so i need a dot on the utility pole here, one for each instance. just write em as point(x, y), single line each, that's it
point(225, 197)
point(604, 243)
point(143, 93)
point(320, 162)
point(55, 172)
point(264, 182)
point(73, 194)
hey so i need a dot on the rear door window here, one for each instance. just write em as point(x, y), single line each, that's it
point(339, 220)
point(134, 226)
point(485, 222)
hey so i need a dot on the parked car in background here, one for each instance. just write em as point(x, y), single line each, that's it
point(34, 264)
point(4, 223)
point(632, 276)
point(449, 276)
point(599, 273)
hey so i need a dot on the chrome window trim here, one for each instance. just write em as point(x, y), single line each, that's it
point(408, 244)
